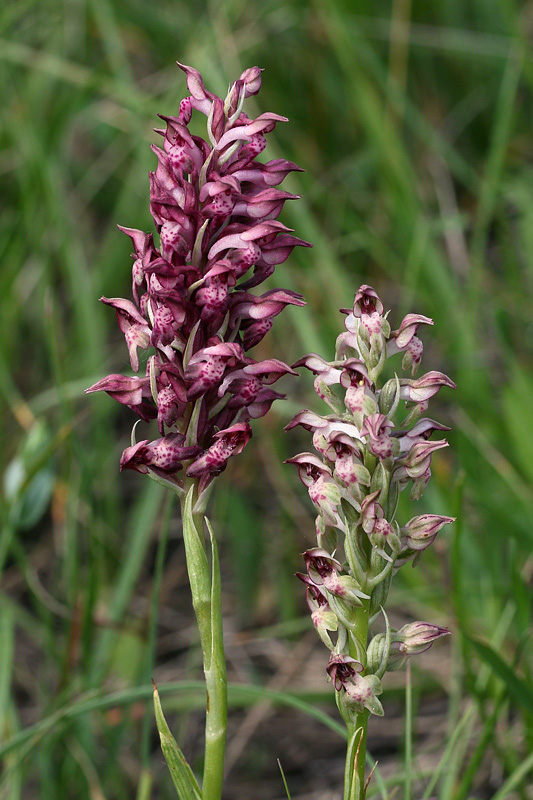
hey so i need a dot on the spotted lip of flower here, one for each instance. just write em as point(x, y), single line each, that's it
point(376, 428)
point(324, 570)
point(246, 386)
point(132, 324)
point(166, 454)
point(341, 447)
point(228, 442)
point(366, 316)
point(345, 453)
point(208, 365)
point(360, 690)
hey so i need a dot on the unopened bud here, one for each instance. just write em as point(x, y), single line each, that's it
point(389, 397)
point(377, 654)
point(420, 531)
point(416, 637)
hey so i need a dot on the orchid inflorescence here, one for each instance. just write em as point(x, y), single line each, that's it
point(214, 207)
point(364, 460)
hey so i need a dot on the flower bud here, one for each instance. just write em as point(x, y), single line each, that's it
point(377, 654)
point(421, 531)
point(389, 397)
point(417, 637)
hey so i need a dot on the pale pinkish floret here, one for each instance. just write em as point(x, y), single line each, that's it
point(363, 461)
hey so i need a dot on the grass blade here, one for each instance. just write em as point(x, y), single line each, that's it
point(520, 691)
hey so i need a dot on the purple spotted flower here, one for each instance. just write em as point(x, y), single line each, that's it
point(215, 209)
point(322, 616)
point(360, 691)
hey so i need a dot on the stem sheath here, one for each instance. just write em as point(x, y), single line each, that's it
point(205, 590)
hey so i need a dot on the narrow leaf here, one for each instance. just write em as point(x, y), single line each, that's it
point(6, 662)
point(513, 781)
point(182, 775)
point(284, 780)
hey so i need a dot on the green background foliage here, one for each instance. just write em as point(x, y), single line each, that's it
point(413, 121)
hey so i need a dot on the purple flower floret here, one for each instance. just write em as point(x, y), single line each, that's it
point(215, 209)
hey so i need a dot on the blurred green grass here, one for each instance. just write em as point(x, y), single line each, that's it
point(413, 123)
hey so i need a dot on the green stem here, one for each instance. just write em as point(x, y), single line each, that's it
point(205, 590)
point(408, 731)
point(354, 775)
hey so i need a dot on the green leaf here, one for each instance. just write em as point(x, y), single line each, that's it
point(6, 662)
point(521, 691)
point(240, 694)
point(513, 780)
point(182, 775)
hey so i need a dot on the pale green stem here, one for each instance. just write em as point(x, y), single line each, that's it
point(408, 731)
point(354, 774)
point(205, 589)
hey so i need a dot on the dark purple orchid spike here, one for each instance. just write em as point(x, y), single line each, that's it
point(215, 209)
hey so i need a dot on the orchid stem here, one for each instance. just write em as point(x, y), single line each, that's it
point(205, 590)
point(354, 773)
